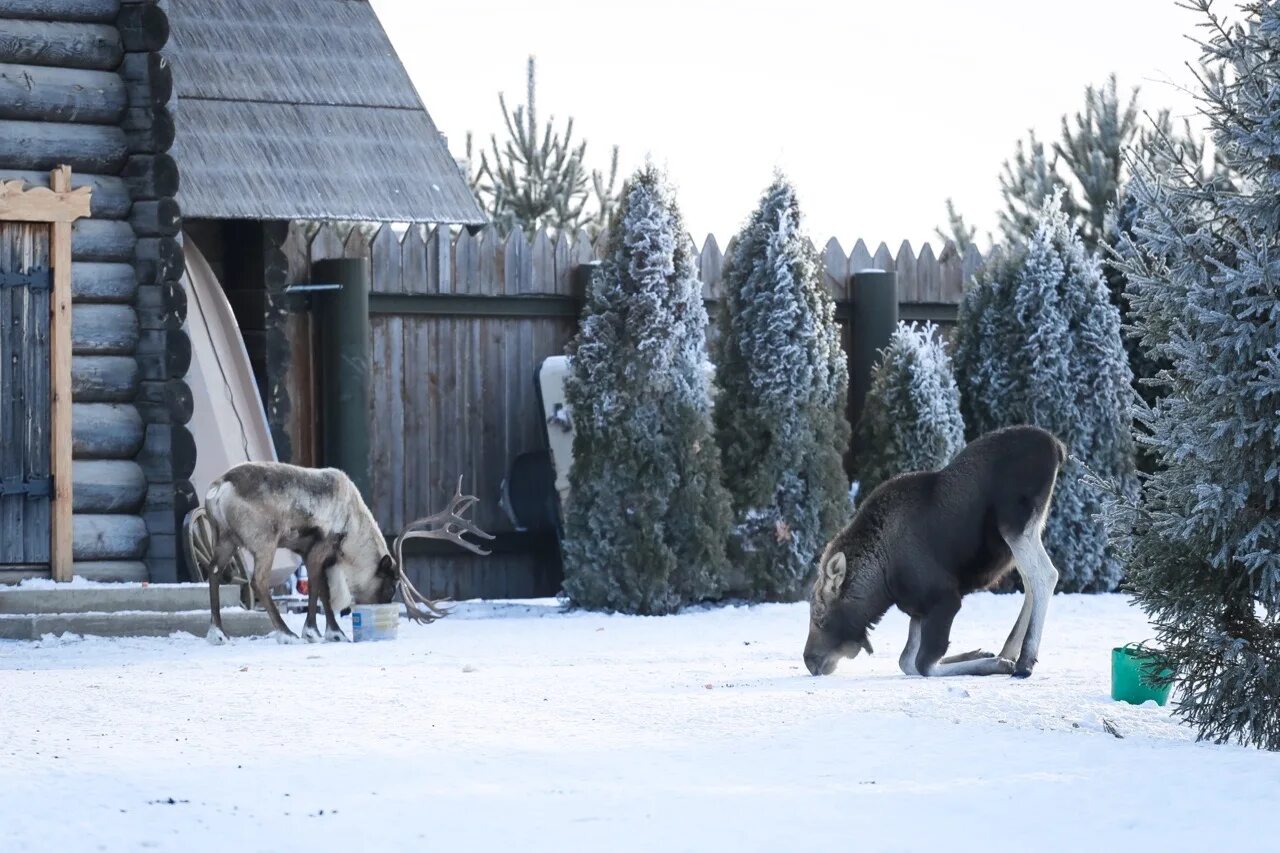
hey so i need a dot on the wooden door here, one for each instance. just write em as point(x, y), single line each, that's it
point(25, 423)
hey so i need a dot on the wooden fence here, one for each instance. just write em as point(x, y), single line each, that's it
point(459, 324)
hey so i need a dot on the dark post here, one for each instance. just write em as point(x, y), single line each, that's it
point(874, 317)
point(582, 275)
point(344, 400)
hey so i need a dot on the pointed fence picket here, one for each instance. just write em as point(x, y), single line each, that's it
point(460, 320)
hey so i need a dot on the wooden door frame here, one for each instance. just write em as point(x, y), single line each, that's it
point(57, 206)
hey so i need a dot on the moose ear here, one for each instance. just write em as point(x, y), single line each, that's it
point(386, 566)
point(831, 577)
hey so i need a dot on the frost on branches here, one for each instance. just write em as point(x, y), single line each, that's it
point(647, 518)
point(1039, 343)
point(780, 418)
point(1204, 284)
point(911, 419)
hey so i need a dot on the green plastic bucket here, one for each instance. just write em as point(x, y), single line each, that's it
point(1132, 669)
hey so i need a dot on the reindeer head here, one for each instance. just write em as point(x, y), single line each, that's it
point(835, 629)
point(448, 524)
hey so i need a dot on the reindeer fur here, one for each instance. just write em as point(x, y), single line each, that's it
point(923, 541)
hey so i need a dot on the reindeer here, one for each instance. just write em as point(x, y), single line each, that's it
point(923, 541)
point(318, 514)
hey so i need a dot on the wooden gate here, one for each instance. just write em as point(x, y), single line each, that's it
point(25, 450)
point(35, 375)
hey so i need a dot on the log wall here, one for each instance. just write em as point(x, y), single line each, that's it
point(84, 83)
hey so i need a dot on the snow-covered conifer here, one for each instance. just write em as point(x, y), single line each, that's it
point(781, 416)
point(911, 417)
point(1203, 281)
point(648, 515)
point(1038, 342)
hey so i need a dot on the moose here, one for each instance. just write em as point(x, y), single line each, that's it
point(318, 514)
point(924, 540)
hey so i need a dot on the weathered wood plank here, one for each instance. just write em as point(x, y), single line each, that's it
point(413, 260)
point(563, 265)
point(710, 268)
point(905, 265)
point(928, 276)
point(103, 240)
point(860, 258)
point(95, 281)
point(542, 261)
point(835, 270)
point(108, 537)
point(104, 378)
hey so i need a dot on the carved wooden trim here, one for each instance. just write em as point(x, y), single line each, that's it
point(22, 203)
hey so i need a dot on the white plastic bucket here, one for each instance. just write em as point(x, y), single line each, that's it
point(374, 622)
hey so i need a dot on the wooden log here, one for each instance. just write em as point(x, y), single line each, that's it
point(103, 329)
point(159, 259)
point(96, 148)
point(96, 281)
point(36, 93)
point(148, 130)
point(59, 44)
point(167, 503)
point(165, 402)
point(102, 11)
point(147, 78)
point(102, 240)
point(163, 354)
point(168, 452)
point(105, 431)
point(112, 571)
point(108, 537)
point(162, 306)
point(151, 176)
point(107, 485)
point(110, 198)
point(142, 26)
point(104, 378)
point(158, 218)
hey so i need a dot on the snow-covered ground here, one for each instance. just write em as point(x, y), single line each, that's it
point(515, 727)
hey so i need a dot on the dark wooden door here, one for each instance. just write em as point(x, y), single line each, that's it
point(24, 396)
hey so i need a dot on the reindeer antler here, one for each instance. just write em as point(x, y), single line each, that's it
point(449, 525)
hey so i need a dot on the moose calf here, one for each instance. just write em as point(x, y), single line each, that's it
point(923, 541)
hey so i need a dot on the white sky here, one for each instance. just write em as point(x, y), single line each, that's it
point(877, 111)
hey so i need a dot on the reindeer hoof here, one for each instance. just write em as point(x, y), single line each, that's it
point(216, 636)
point(286, 638)
point(335, 636)
point(312, 635)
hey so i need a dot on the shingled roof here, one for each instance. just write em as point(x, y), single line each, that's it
point(300, 109)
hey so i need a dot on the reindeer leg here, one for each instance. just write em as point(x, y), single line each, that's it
point(935, 635)
point(332, 628)
point(217, 635)
point(262, 589)
point(310, 632)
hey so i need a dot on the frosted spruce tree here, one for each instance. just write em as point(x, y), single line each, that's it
point(1038, 342)
point(781, 416)
point(1204, 554)
point(911, 418)
point(648, 516)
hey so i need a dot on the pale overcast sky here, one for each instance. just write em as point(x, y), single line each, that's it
point(878, 111)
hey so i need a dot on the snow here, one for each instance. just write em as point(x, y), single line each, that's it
point(513, 725)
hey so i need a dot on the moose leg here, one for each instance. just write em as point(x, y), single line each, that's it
point(1040, 577)
point(907, 660)
point(262, 560)
point(935, 636)
point(1013, 646)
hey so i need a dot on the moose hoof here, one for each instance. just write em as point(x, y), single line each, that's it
point(1004, 666)
point(216, 636)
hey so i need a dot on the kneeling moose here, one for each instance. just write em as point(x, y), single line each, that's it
point(318, 514)
point(923, 541)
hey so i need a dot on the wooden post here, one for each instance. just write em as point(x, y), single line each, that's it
point(60, 386)
point(59, 206)
point(345, 368)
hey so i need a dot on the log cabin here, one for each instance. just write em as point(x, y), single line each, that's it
point(213, 124)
